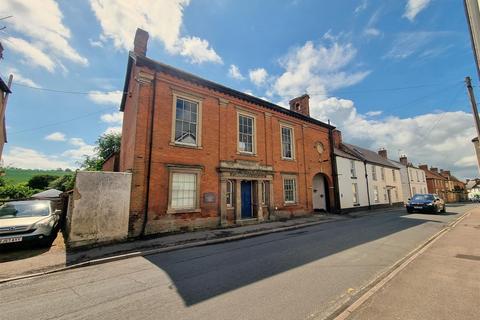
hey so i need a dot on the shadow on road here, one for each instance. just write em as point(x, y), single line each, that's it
point(202, 273)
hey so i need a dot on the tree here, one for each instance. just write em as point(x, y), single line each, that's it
point(63, 183)
point(40, 181)
point(106, 145)
point(16, 191)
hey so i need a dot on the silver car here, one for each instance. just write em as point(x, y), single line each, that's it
point(27, 221)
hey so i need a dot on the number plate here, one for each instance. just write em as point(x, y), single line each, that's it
point(418, 207)
point(10, 240)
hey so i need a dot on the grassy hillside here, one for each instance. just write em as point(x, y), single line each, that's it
point(16, 175)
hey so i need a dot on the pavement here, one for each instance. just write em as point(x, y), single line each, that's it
point(441, 283)
point(26, 261)
point(306, 273)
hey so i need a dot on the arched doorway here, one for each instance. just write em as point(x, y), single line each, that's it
point(320, 195)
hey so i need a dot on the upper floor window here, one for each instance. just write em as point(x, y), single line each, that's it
point(394, 176)
point(246, 134)
point(186, 122)
point(352, 169)
point(418, 177)
point(374, 172)
point(382, 173)
point(287, 142)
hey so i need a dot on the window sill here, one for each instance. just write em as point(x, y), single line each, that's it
point(185, 146)
point(353, 178)
point(289, 204)
point(247, 154)
point(288, 159)
point(175, 211)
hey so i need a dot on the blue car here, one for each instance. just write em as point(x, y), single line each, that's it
point(425, 203)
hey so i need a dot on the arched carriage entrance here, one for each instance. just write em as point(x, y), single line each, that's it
point(320, 193)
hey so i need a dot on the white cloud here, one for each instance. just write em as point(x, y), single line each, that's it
point(374, 113)
point(82, 149)
point(196, 50)
point(361, 7)
point(413, 7)
point(162, 19)
point(56, 136)
point(112, 97)
point(115, 117)
point(43, 31)
point(19, 78)
point(317, 69)
point(31, 53)
point(117, 129)
point(258, 76)
point(32, 159)
point(95, 43)
point(234, 72)
point(372, 32)
point(406, 44)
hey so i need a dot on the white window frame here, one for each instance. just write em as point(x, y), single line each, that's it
point(295, 189)
point(353, 169)
point(190, 98)
point(385, 198)
point(374, 173)
point(382, 173)
point(394, 175)
point(254, 133)
point(375, 194)
point(180, 170)
point(355, 194)
point(230, 192)
point(292, 141)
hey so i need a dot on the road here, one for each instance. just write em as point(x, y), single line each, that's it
point(300, 274)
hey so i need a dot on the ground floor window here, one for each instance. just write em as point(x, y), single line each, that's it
point(385, 194)
point(265, 192)
point(184, 189)
point(396, 194)
point(289, 190)
point(355, 193)
point(229, 194)
point(375, 193)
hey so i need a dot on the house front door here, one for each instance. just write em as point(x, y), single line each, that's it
point(246, 194)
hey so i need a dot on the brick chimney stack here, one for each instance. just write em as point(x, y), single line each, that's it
point(434, 169)
point(301, 104)
point(446, 172)
point(404, 160)
point(423, 167)
point(382, 153)
point(140, 42)
point(337, 138)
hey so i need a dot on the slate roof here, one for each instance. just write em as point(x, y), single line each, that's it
point(369, 156)
point(432, 175)
point(162, 67)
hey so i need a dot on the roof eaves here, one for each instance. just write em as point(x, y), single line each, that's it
point(159, 66)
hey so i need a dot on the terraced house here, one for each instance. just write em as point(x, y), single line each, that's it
point(204, 155)
point(366, 179)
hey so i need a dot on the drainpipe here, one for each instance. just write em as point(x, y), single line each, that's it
point(149, 162)
point(368, 188)
point(336, 194)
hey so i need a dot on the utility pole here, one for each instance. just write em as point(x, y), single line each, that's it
point(471, 95)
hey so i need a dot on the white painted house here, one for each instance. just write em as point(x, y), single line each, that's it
point(413, 178)
point(365, 178)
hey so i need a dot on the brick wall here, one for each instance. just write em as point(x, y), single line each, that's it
point(219, 143)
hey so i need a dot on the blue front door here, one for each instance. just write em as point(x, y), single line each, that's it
point(246, 199)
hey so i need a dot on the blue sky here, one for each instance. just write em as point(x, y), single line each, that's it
point(387, 73)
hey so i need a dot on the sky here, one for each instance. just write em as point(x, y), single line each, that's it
point(388, 73)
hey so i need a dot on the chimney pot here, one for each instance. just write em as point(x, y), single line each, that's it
point(140, 42)
point(301, 104)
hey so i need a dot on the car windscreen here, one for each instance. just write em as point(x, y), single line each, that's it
point(27, 209)
point(423, 197)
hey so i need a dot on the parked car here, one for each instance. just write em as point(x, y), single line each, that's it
point(426, 203)
point(33, 221)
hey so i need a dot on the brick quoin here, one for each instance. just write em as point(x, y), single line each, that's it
point(147, 150)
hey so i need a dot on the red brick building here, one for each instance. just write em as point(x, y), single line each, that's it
point(204, 155)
